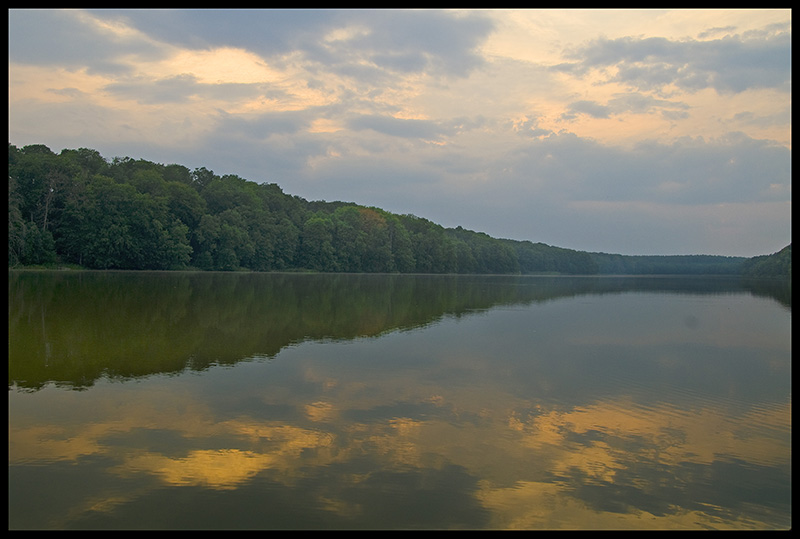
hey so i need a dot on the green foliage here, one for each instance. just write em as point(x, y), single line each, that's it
point(78, 208)
point(16, 225)
point(223, 241)
point(776, 265)
point(668, 265)
point(316, 246)
point(36, 246)
point(541, 258)
point(184, 203)
point(113, 226)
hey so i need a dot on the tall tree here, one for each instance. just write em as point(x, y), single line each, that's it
point(316, 244)
point(115, 227)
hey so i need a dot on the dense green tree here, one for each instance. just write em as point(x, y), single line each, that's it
point(113, 226)
point(201, 177)
point(465, 259)
point(377, 255)
point(77, 207)
point(316, 244)
point(776, 265)
point(88, 161)
point(39, 186)
point(223, 241)
point(349, 239)
point(36, 245)
point(184, 203)
point(15, 224)
point(42, 184)
point(286, 243)
point(177, 173)
point(230, 192)
point(668, 265)
point(434, 250)
point(262, 232)
point(400, 245)
point(149, 181)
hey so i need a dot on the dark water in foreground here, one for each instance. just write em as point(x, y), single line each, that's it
point(280, 401)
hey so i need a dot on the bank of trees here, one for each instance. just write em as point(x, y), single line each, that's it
point(668, 264)
point(775, 265)
point(77, 207)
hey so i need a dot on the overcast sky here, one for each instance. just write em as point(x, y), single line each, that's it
point(621, 131)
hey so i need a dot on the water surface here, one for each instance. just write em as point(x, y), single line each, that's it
point(282, 401)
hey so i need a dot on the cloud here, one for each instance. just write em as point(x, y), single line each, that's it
point(73, 39)
point(266, 32)
point(641, 104)
point(632, 102)
point(731, 64)
point(341, 41)
point(448, 42)
point(592, 108)
point(689, 171)
point(180, 89)
point(146, 91)
point(261, 126)
point(398, 127)
point(716, 31)
point(530, 127)
point(750, 118)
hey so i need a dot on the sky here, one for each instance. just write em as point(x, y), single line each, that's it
point(618, 131)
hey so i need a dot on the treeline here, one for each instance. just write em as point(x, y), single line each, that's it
point(667, 265)
point(775, 265)
point(76, 207)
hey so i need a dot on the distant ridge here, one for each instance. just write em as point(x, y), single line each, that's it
point(775, 265)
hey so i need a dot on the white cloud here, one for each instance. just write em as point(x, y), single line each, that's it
point(730, 64)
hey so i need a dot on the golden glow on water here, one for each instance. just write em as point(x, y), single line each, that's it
point(525, 447)
point(312, 415)
point(219, 469)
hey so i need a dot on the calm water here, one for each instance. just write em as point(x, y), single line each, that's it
point(278, 401)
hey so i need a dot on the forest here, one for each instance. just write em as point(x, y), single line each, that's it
point(76, 208)
point(775, 265)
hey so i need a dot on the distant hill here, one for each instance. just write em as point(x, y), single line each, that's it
point(668, 264)
point(77, 208)
point(775, 265)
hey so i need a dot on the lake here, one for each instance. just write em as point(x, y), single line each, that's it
point(190, 400)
